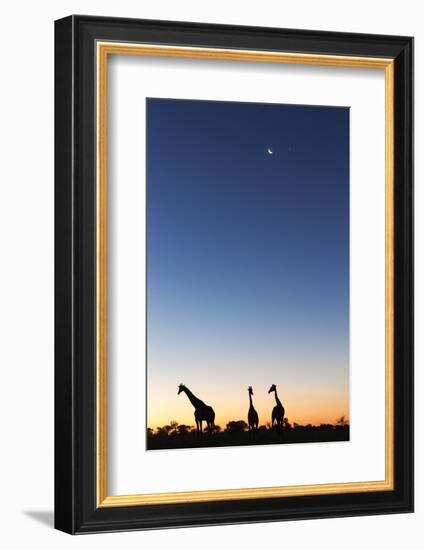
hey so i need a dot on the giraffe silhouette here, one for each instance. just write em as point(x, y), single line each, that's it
point(201, 410)
point(278, 410)
point(252, 415)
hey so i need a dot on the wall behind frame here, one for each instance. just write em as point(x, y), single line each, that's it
point(26, 274)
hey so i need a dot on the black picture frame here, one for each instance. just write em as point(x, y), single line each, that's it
point(76, 509)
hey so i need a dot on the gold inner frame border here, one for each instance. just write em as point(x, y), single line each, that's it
point(103, 50)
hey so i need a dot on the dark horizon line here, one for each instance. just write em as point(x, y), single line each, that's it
point(266, 425)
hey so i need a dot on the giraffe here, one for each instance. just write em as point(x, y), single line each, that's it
point(252, 415)
point(201, 410)
point(278, 410)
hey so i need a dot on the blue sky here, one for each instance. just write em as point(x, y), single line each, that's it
point(247, 257)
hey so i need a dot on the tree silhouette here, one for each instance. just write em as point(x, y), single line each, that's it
point(174, 427)
point(236, 426)
point(342, 421)
point(184, 429)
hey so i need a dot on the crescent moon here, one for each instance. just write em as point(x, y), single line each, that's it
point(270, 152)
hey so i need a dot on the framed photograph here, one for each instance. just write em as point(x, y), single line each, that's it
point(234, 274)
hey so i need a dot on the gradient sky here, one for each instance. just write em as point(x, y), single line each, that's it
point(247, 259)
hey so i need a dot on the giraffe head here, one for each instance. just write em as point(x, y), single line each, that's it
point(181, 388)
point(272, 388)
point(250, 390)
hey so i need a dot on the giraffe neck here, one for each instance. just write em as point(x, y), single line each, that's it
point(250, 399)
point(276, 398)
point(193, 399)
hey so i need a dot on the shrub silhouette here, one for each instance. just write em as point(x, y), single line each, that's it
point(326, 427)
point(286, 423)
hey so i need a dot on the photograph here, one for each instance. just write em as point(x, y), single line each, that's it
point(247, 265)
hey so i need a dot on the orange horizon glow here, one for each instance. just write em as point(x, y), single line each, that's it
point(318, 405)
